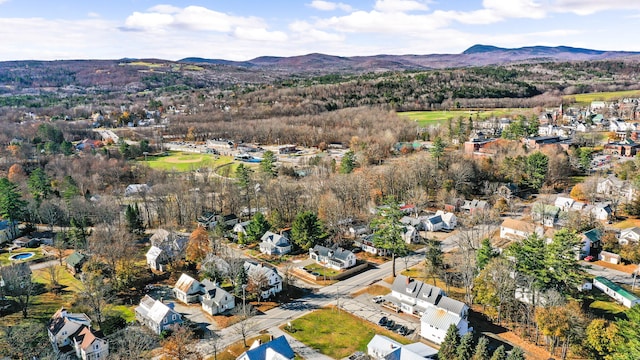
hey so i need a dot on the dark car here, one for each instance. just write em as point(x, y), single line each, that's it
point(383, 321)
point(390, 325)
point(402, 330)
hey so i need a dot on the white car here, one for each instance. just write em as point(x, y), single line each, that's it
point(377, 299)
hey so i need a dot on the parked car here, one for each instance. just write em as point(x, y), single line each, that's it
point(589, 258)
point(377, 299)
point(383, 321)
point(390, 325)
point(402, 330)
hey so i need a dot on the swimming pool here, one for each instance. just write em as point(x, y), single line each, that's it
point(21, 256)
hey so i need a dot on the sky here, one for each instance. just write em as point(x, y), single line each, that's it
point(245, 29)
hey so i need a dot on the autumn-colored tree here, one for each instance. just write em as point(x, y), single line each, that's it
point(16, 173)
point(601, 338)
point(553, 322)
point(578, 193)
point(179, 345)
point(199, 245)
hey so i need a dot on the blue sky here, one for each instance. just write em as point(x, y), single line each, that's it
point(244, 29)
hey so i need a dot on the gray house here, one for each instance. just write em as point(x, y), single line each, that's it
point(337, 258)
point(156, 315)
point(274, 244)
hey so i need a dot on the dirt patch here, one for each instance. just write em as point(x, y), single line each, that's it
point(183, 161)
point(372, 290)
point(533, 352)
point(630, 268)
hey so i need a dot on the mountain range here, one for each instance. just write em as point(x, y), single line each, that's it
point(477, 55)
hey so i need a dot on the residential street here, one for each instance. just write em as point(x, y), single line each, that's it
point(335, 294)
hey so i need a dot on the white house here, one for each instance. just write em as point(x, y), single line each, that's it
point(601, 211)
point(517, 229)
point(270, 280)
point(616, 292)
point(274, 244)
point(89, 346)
point(433, 223)
point(156, 315)
point(187, 289)
point(62, 326)
point(241, 227)
point(383, 348)
point(337, 258)
point(449, 219)
point(612, 186)
point(410, 234)
point(435, 322)
point(564, 203)
point(214, 299)
point(367, 245)
point(136, 189)
point(629, 236)
point(157, 259)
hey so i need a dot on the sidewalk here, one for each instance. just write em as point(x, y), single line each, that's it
point(299, 348)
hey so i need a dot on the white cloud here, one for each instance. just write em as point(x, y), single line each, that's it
point(588, 7)
point(148, 21)
point(515, 8)
point(94, 15)
point(259, 34)
point(305, 32)
point(3, 1)
point(165, 9)
point(400, 6)
point(330, 6)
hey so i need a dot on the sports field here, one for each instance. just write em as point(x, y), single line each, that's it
point(426, 118)
point(179, 161)
point(603, 96)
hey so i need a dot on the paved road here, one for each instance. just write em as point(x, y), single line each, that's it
point(335, 293)
point(616, 276)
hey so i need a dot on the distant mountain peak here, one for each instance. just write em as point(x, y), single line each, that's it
point(479, 48)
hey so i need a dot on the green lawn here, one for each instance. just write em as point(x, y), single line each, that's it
point(337, 333)
point(179, 161)
point(603, 96)
point(126, 312)
point(4, 258)
point(426, 118)
point(323, 271)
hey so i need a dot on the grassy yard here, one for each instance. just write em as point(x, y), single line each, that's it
point(426, 118)
point(179, 161)
point(323, 271)
point(4, 258)
point(337, 333)
point(627, 223)
point(603, 96)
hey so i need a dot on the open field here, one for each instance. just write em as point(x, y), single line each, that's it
point(337, 333)
point(179, 161)
point(603, 96)
point(426, 118)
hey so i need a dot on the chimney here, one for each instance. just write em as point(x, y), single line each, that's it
point(408, 280)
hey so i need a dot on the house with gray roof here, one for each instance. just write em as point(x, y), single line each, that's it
point(214, 299)
point(334, 258)
point(612, 186)
point(269, 279)
point(156, 315)
point(187, 289)
point(274, 244)
point(61, 328)
point(629, 236)
point(430, 303)
point(435, 322)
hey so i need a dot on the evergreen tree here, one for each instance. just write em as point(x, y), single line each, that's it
point(449, 344)
point(516, 354)
point(628, 346)
point(482, 349)
point(241, 279)
point(134, 220)
point(268, 163)
point(465, 349)
point(39, 185)
point(244, 182)
point(485, 253)
point(348, 162)
point(437, 149)
point(536, 166)
point(307, 230)
point(387, 231)
point(256, 228)
point(11, 203)
point(499, 354)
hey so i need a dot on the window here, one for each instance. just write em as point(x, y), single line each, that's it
point(173, 317)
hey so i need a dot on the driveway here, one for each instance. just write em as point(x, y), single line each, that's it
point(611, 274)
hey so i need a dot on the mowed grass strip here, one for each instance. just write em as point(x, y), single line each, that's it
point(337, 334)
point(426, 118)
point(602, 96)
